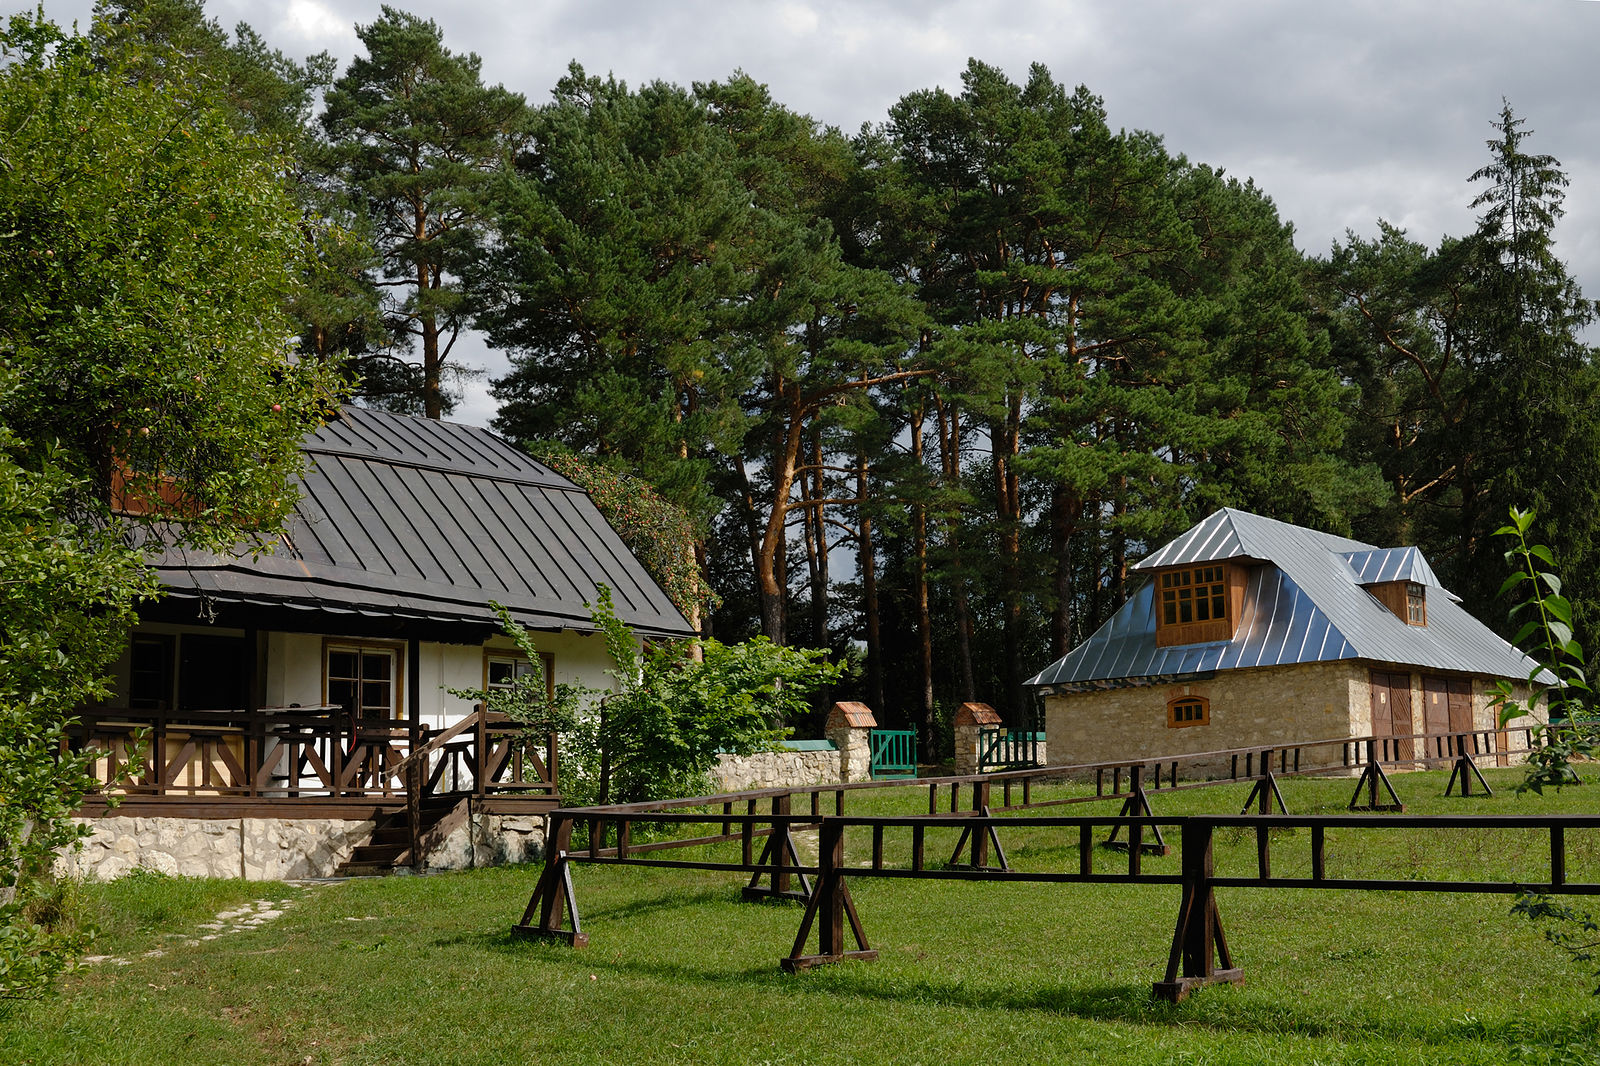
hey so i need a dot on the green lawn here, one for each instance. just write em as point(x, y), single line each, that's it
point(422, 970)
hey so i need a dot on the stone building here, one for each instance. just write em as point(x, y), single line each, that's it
point(1252, 632)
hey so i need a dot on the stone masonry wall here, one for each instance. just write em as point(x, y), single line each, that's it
point(491, 840)
point(256, 849)
point(776, 769)
point(1248, 708)
point(272, 849)
point(1280, 705)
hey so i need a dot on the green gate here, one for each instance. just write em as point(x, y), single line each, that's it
point(894, 753)
point(1007, 749)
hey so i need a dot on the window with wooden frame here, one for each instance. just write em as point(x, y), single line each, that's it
point(1416, 604)
point(502, 668)
point(364, 679)
point(1188, 710)
point(1196, 603)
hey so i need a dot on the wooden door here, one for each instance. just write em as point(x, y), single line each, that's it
point(1391, 715)
point(1460, 692)
point(1436, 716)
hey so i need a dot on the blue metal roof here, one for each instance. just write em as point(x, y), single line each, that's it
point(1304, 603)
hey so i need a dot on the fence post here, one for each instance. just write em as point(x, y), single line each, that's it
point(1197, 940)
point(553, 893)
point(830, 907)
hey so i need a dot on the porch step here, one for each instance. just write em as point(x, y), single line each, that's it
point(390, 843)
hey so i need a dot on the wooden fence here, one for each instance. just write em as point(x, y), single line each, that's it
point(1199, 953)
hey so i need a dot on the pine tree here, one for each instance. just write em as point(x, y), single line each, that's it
point(417, 137)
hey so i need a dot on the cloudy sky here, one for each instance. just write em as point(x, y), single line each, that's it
point(1343, 112)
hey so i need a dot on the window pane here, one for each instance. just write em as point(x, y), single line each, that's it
point(375, 695)
point(375, 666)
point(341, 664)
point(342, 693)
point(501, 671)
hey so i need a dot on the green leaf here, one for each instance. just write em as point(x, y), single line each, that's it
point(1543, 553)
point(1510, 583)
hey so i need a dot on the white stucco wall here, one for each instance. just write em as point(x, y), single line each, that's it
point(292, 666)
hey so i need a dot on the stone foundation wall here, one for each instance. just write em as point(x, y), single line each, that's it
point(256, 849)
point(275, 849)
point(491, 840)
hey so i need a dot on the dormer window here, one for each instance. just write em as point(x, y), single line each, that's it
point(1406, 600)
point(1197, 603)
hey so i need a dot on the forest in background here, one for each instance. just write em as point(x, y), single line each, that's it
point(923, 392)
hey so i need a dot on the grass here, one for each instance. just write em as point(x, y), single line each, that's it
point(422, 970)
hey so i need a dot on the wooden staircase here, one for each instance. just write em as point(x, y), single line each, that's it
point(390, 845)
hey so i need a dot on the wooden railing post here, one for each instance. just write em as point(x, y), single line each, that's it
point(480, 787)
point(416, 779)
point(780, 844)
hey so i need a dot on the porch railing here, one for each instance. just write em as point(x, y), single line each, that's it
point(308, 753)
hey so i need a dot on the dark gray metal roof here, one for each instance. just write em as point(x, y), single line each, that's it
point(417, 519)
point(1304, 603)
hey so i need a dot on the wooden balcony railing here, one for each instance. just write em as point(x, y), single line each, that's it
point(309, 753)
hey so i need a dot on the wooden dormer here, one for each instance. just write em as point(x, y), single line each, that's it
point(1199, 602)
point(1407, 600)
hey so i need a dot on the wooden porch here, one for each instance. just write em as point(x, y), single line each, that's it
point(417, 783)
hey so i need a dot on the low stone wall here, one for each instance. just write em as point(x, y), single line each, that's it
point(776, 769)
point(256, 849)
point(275, 849)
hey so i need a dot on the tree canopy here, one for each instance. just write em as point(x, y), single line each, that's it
point(146, 351)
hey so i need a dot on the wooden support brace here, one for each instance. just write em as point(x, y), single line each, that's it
point(830, 909)
point(1198, 942)
point(778, 857)
point(1467, 771)
point(552, 895)
point(1370, 779)
point(1137, 805)
point(982, 837)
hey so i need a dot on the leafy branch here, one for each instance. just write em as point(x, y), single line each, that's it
point(1558, 673)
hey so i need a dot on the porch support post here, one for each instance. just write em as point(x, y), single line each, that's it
point(416, 773)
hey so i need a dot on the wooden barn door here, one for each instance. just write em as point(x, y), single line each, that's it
point(1447, 703)
point(1391, 715)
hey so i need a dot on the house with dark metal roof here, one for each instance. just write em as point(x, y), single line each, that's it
point(1250, 632)
point(305, 684)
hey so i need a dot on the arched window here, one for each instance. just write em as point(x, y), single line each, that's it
point(1188, 710)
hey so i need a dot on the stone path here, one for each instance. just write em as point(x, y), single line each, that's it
point(249, 916)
